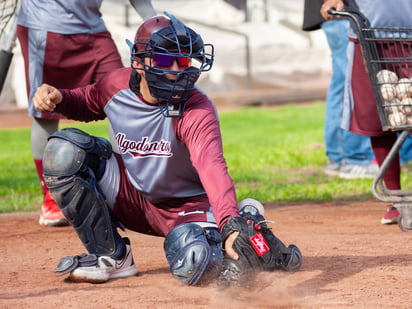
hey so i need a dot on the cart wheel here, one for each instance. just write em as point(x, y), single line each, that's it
point(404, 225)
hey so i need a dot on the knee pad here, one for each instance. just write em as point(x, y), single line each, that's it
point(70, 150)
point(190, 252)
point(70, 162)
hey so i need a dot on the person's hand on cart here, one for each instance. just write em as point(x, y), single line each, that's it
point(337, 5)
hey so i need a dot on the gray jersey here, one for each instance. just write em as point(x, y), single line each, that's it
point(158, 164)
point(384, 13)
point(62, 16)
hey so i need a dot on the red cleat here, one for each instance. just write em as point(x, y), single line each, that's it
point(50, 214)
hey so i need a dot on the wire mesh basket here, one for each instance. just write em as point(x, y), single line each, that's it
point(389, 53)
point(388, 58)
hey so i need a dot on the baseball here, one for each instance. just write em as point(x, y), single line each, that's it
point(390, 109)
point(406, 106)
point(393, 106)
point(402, 88)
point(388, 92)
point(386, 76)
point(397, 119)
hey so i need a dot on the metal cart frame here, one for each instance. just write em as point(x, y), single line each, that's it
point(388, 49)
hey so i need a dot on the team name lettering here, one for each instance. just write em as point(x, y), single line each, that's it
point(144, 147)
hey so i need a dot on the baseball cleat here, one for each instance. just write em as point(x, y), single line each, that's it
point(106, 268)
point(50, 214)
point(391, 216)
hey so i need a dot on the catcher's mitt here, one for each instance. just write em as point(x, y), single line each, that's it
point(258, 249)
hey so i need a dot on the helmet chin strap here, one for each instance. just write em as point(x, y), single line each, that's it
point(171, 94)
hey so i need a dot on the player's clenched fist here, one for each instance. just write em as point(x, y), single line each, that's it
point(46, 98)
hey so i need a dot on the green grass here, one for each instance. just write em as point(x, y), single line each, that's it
point(278, 154)
point(273, 154)
point(19, 184)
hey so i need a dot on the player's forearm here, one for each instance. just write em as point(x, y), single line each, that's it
point(218, 184)
point(75, 106)
point(222, 197)
point(199, 130)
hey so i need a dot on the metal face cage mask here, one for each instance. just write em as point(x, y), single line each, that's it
point(165, 39)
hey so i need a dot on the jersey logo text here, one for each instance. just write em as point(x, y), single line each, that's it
point(143, 148)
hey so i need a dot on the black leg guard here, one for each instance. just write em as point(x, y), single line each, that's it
point(71, 160)
point(87, 211)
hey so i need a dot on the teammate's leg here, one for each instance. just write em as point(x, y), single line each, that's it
point(50, 214)
point(33, 45)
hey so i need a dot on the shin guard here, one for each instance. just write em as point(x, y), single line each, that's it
point(71, 160)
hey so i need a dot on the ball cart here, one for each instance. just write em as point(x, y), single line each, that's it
point(387, 54)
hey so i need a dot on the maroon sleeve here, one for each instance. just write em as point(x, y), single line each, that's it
point(199, 130)
point(87, 103)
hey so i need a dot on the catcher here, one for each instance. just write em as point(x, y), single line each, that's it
point(169, 178)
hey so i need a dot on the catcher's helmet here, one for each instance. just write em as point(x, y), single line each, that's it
point(166, 39)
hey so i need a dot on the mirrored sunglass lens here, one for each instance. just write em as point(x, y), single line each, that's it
point(163, 60)
point(183, 61)
point(166, 60)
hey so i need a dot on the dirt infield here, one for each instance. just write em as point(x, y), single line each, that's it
point(350, 260)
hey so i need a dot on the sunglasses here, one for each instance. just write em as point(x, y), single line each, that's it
point(167, 61)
